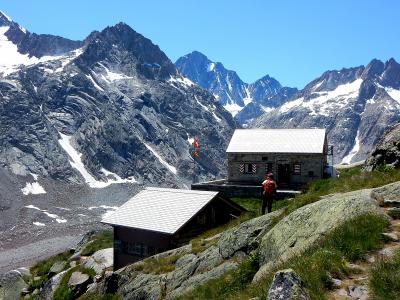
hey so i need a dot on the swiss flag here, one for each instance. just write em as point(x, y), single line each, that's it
point(196, 143)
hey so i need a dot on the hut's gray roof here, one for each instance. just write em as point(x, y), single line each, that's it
point(160, 209)
point(277, 141)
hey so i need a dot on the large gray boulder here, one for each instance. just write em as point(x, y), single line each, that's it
point(245, 237)
point(304, 227)
point(387, 151)
point(100, 260)
point(194, 281)
point(51, 286)
point(287, 285)
point(78, 283)
point(144, 287)
point(57, 267)
point(11, 285)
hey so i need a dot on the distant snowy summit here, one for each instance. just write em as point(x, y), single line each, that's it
point(355, 105)
point(229, 89)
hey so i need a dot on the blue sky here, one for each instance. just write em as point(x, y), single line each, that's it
point(293, 41)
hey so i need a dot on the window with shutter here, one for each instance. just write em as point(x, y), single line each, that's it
point(250, 168)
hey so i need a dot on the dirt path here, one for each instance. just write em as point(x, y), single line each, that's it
point(355, 286)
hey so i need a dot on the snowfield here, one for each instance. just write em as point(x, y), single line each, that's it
point(328, 101)
point(161, 160)
point(33, 188)
point(77, 163)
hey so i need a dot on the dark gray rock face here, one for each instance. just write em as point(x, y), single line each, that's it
point(387, 151)
point(355, 105)
point(224, 84)
point(287, 285)
point(243, 100)
point(119, 103)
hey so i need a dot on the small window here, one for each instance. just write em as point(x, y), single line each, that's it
point(297, 169)
point(117, 245)
point(264, 158)
point(311, 174)
point(250, 168)
point(268, 168)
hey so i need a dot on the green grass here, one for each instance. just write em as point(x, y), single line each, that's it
point(159, 265)
point(253, 205)
point(384, 279)
point(103, 239)
point(42, 268)
point(349, 180)
point(350, 242)
point(63, 292)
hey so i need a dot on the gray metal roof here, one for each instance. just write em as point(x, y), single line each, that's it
point(277, 141)
point(160, 209)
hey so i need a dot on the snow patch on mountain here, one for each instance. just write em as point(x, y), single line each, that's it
point(393, 93)
point(57, 218)
point(7, 17)
point(326, 101)
point(77, 163)
point(347, 159)
point(248, 99)
point(90, 77)
point(211, 67)
point(117, 179)
point(33, 188)
point(65, 59)
point(161, 160)
point(233, 108)
point(38, 224)
point(11, 58)
point(182, 80)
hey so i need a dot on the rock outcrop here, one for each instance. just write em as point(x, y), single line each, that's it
point(11, 285)
point(387, 151)
point(100, 260)
point(301, 229)
point(287, 285)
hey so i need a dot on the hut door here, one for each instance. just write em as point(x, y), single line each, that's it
point(283, 173)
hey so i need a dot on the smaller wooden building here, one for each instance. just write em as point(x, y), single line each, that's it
point(159, 219)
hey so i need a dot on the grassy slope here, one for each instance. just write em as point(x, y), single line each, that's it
point(384, 280)
point(350, 242)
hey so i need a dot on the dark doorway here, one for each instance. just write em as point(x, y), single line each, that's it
point(283, 173)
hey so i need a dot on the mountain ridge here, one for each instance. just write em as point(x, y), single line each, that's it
point(111, 109)
point(226, 85)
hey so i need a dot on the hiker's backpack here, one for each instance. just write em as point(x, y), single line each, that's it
point(269, 187)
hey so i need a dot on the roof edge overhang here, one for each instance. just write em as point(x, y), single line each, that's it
point(124, 226)
point(255, 152)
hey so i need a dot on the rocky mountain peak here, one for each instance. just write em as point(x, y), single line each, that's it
point(373, 69)
point(391, 74)
point(5, 20)
point(231, 91)
point(121, 40)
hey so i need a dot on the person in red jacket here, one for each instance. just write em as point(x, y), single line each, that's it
point(269, 190)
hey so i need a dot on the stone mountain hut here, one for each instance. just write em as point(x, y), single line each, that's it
point(159, 219)
point(295, 156)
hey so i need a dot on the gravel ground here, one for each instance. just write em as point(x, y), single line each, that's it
point(33, 227)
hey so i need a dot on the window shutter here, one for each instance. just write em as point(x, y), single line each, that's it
point(241, 168)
